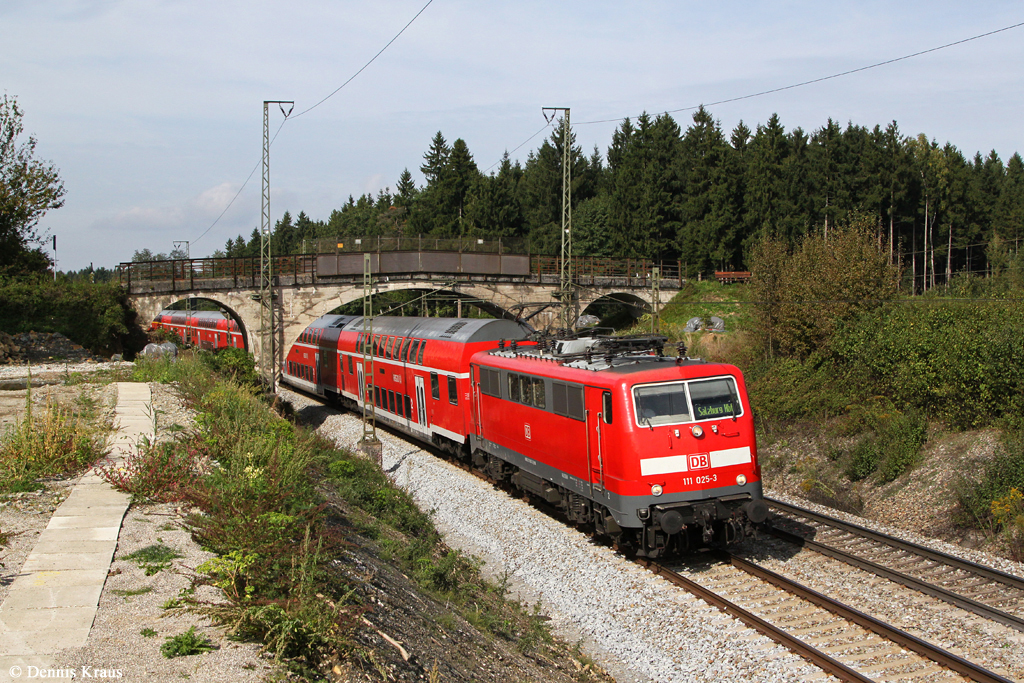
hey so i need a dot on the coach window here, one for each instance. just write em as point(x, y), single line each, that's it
point(405, 349)
point(413, 350)
point(423, 347)
point(453, 390)
point(373, 345)
point(350, 370)
point(408, 406)
point(391, 400)
point(398, 402)
point(435, 388)
point(376, 396)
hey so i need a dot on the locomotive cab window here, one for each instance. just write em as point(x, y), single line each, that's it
point(675, 402)
point(714, 398)
point(660, 404)
point(606, 407)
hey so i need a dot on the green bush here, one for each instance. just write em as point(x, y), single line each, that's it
point(97, 316)
point(863, 459)
point(999, 476)
point(957, 362)
point(788, 389)
point(233, 363)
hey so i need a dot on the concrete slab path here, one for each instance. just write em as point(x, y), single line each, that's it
point(53, 599)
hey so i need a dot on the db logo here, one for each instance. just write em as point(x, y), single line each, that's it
point(700, 461)
point(527, 426)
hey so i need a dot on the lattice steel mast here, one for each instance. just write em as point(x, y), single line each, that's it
point(268, 360)
point(370, 445)
point(566, 282)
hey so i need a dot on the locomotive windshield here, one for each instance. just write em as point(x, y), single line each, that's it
point(674, 402)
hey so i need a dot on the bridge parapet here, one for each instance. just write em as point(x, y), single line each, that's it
point(208, 274)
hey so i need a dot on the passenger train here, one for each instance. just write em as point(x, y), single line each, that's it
point(658, 452)
point(211, 330)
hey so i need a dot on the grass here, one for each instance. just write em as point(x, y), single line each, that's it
point(59, 440)
point(134, 591)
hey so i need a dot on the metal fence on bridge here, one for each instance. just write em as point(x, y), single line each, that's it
point(331, 267)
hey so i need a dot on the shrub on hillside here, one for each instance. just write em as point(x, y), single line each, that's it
point(959, 362)
point(804, 296)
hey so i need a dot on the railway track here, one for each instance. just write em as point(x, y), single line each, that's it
point(985, 591)
point(842, 641)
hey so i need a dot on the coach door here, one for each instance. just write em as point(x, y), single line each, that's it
point(319, 379)
point(421, 402)
point(361, 396)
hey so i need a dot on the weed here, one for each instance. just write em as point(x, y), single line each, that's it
point(154, 558)
point(172, 603)
point(161, 472)
point(1008, 512)
point(59, 441)
point(147, 632)
point(534, 633)
point(132, 591)
point(185, 644)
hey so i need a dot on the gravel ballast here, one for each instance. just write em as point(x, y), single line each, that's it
point(635, 624)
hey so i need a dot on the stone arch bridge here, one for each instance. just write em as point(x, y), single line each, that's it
point(308, 286)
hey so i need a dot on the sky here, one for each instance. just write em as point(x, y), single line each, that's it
point(152, 109)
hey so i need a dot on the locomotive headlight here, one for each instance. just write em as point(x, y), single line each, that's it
point(656, 489)
point(697, 431)
point(741, 479)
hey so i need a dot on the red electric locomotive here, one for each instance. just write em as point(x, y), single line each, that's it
point(209, 330)
point(657, 452)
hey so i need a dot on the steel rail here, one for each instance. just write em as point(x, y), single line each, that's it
point(887, 631)
point(938, 556)
point(938, 592)
point(825, 662)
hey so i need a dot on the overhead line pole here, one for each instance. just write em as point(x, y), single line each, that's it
point(566, 281)
point(268, 361)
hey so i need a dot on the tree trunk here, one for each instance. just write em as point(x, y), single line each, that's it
point(892, 205)
point(913, 257)
point(924, 256)
point(949, 255)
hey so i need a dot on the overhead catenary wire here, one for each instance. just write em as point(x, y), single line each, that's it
point(822, 78)
point(309, 109)
point(793, 85)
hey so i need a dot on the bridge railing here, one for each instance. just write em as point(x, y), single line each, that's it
point(599, 271)
point(379, 243)
point(232, 273)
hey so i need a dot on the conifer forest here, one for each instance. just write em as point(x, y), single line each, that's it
point(704, 196)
